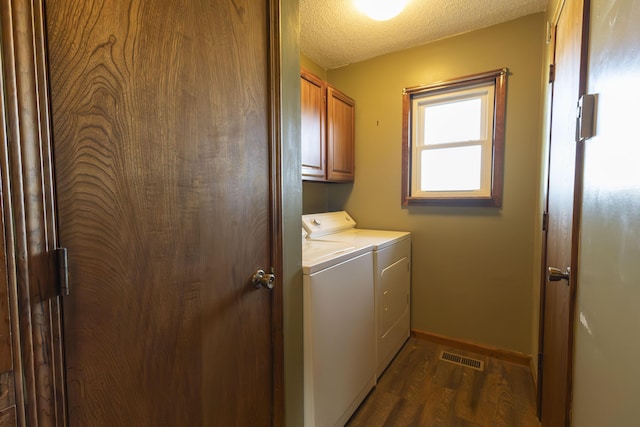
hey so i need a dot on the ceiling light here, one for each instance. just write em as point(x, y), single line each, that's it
point(380, 10)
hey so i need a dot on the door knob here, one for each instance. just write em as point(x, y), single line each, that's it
point(261, 279)
point(556, 275)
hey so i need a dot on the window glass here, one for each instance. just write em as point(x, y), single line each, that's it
point(451, 169)
point(451, 121)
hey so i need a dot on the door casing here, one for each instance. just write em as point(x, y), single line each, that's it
point(544, 354)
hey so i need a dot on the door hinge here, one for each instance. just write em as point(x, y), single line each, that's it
point(63, 270)
point(585, 117)
point(539, 361)
point(552, 73)
point(545, 221)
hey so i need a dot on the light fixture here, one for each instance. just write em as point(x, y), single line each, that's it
point(381, 10)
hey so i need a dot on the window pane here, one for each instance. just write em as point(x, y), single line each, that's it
point(451, 169)
point(453, 121)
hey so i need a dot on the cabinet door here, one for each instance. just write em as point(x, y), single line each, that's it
point(340, 136)
point(313, 114)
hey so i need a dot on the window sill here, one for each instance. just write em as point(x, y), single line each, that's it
point(453, 201)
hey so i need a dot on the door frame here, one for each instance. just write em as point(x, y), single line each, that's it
point(577, 203)
point(30, 228)
point(277, 217)
point(28, 200)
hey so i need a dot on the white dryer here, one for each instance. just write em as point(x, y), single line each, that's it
point(392, 275)
point(339, 330)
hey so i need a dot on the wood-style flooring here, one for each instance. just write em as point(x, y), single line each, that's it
point(418, 389)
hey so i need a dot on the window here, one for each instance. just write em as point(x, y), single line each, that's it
point(453, 141)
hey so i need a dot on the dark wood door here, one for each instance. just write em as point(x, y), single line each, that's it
point(563, 206)
point(161, 128)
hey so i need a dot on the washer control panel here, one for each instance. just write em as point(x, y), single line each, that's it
point(321, 224)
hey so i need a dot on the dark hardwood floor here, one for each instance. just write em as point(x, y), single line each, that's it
point(418, 389)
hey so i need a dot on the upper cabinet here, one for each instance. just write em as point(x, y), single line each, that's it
point(313, 109)
point(340, 136)
point(328, 123)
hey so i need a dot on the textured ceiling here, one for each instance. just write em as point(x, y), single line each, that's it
point(333, 33)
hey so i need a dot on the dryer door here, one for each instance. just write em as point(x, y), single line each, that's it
point(393, 267)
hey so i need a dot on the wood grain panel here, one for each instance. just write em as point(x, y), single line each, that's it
point(162, 134)
point(8, 417)
point(7, 390)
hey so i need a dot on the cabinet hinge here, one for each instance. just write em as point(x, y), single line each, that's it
point(552, 73)
point(63, 270)
point(545, 221)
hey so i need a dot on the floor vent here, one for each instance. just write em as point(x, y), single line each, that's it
point(461, 360)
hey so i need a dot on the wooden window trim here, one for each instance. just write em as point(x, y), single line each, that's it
point(499, 78)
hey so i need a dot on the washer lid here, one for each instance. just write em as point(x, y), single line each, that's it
point(318, 255)
point(321, 224)
point(360, 236)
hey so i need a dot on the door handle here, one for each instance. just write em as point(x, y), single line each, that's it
point(556, 275)
point(261, 279)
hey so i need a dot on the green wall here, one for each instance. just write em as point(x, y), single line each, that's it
point(291, 212)
point(313, 67)
point(474, 269)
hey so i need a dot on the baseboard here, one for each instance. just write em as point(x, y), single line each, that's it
point(498, 353)
point(534, 375)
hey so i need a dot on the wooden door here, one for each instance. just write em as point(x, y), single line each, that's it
point(163, 116)
point(563, 207)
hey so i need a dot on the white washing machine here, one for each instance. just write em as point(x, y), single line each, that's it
point(392, 275)
point(339, 330)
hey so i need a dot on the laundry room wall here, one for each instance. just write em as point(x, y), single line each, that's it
point(474, 268)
